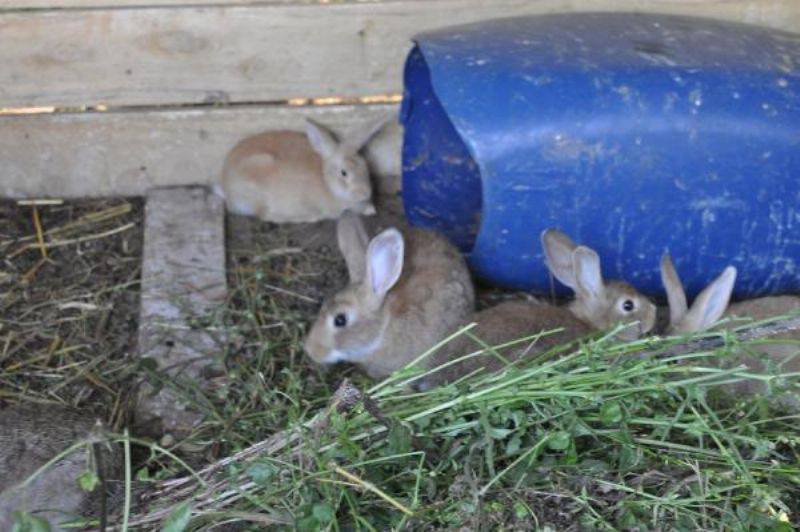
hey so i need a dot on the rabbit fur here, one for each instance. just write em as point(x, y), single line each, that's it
point(291, 176)
point(713, 304)
point(598, 305)
point(406, 292)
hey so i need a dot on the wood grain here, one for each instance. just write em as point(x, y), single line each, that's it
point(9, 5)
point(126, 153)
point(259, 53)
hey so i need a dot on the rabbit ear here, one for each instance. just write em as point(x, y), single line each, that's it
point(588, 275)
point(558, 249)
point(353, 143)
point(384, 262)
point(321, 139)
point(711, 304)
point(676, 297)
point(353, 242)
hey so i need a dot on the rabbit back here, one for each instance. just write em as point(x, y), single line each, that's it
point(764, 307)
point(713, 303)
point(786, 355)
point(431, 298)
point(501, 324)
point(277, 176)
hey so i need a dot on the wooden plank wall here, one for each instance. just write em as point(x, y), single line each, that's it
point(149, 59)
point(125, 153)
point(178, 55)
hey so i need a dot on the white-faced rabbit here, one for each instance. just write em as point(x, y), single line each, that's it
point(31, 436)
point(598, 305)
point(288, 176)
point(712, 304)
point(406, 293)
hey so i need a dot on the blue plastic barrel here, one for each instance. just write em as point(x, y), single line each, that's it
point(635, 134)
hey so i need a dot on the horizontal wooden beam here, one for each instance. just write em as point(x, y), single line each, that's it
point(259, 52)
point(126, 153)
point(762, 6)
point(9, 5)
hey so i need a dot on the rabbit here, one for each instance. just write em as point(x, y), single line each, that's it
point(32, 435)
point(406, 292)
point(713, 304)
point(598, 305)
point(288, 176)
point(384, 157)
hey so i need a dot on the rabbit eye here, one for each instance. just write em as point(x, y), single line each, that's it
point(340, 320)
point(628, 305)
point(344, 173)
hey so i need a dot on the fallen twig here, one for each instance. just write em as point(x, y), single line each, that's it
point(42, 201)
point(37, 223)
point(60, 243)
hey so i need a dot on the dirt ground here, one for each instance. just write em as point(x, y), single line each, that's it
point(68, 320)
point(305, 265)
point(317, 241)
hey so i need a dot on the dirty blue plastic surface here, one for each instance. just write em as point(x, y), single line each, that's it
point(634, 134)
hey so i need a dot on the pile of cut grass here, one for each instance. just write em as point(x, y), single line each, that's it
point(592, 436)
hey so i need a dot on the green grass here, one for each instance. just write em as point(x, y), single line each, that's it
point(593, 436)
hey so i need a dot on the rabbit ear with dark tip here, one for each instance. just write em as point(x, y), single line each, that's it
point(321, 139)
point(588, 274)
point(558, 249)
point(384, 263)
point(710, 304)
point(676, 297)
point(353, 242)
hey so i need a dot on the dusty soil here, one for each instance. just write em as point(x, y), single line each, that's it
point(304, 257)
point(68, 321)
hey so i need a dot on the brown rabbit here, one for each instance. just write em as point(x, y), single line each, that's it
point(31, 436)
point(598, 305)
point(712, 304)
point(406, 293)
point(288, 176)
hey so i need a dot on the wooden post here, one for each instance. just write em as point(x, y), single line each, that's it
point(183, 284)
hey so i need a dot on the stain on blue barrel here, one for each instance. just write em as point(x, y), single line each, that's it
point(635, 134)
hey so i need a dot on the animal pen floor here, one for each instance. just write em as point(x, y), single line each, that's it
point(69, 319)
point(69, 328)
